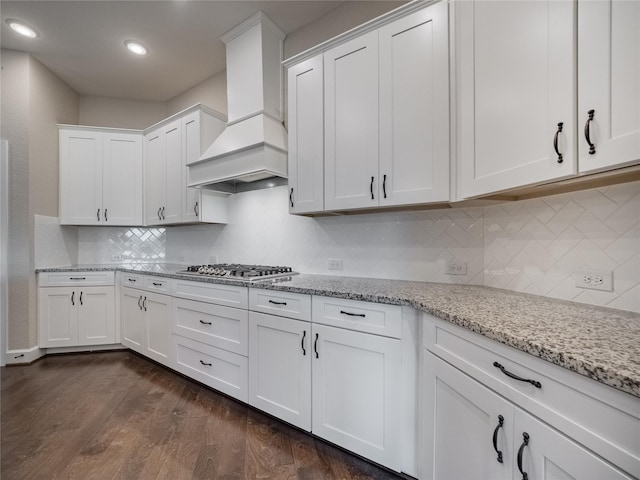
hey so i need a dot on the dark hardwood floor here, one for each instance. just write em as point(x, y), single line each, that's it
point(115, 415)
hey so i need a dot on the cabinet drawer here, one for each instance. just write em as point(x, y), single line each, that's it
point(134, 280)
point(157, 284)
point(227, 295)
point(225, 371)
point(59, 279)
point(215, 325)
point(366, 317)
point(603, 419)
point(284, 304)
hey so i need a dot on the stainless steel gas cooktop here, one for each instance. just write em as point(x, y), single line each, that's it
point(237, 271)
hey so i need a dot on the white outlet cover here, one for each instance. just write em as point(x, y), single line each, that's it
point(594, 279)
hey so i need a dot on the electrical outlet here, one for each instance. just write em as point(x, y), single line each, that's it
point(334, 264)
point(456, 267)
point(594, 279)
point(116, 258)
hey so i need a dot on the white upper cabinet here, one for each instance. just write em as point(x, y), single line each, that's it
point(351, 124)
point(306, 139)
point(169, 146)
point(100, 176)
point(414, 108)
point(382, 129)
point(515, 86)
point(608, 84)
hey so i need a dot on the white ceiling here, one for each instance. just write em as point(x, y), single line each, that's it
point(82, 42)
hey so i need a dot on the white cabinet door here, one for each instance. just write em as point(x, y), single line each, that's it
point(174, 186)
point(96, 315)
point(280, 367)
point(132, 317)
point(356, 385)
point(156, 174)
point(157, 344)
point(460, 418)
point(608, 83)
point(351, 124)
point(306, 138)
point(191, 149)
point(57, 317)
point(80, 177)
point(543, 453)
point(515, 82)
point(122, 179)
point(414, 108)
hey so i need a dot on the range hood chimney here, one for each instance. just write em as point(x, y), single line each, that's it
point(253, 146)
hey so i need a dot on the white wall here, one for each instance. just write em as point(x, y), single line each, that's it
point(530, 246)
point(212, 92)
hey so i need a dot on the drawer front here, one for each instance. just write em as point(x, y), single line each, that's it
point(225, 371)
point(157, 284)
point(134, 280)
point(222, 327)
point(60, 279)
point(227, 295)
point(284, 304)
point(366, 317)
point(596, 415)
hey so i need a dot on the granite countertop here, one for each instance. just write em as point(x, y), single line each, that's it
point(600, 343)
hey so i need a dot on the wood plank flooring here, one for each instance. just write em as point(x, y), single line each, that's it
point(115, 415)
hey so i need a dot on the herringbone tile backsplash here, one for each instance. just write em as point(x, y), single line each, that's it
point(531, 246)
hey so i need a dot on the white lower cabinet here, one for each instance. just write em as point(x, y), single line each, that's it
point(280, 367)
point(146, 323)
point(357, 392)
point(473, 433)
point(81, 313)
point(480, 423)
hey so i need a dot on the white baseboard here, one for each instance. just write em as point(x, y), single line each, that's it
point(27, 355)
point(17, 357)
point(85, 348)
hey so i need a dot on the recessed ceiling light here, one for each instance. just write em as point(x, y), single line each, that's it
point(136, 47)
point(21, 28)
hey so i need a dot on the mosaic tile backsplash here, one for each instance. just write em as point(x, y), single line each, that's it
point(530, 246)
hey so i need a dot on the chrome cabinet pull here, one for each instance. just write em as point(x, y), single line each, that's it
point(495, 437)
point(73, 294)
point(371, 188)
point(304, 334)
point(525, 442)
point(535, 383)
point(98, 215)
point(587, 132)
point(555, 142)
point(291, 197)
point(353, 314)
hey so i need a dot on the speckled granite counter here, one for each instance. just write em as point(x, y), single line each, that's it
point(601, 343)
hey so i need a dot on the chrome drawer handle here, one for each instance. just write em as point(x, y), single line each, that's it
point(535, 383)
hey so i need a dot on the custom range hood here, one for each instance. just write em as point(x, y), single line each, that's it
point(252, 150)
